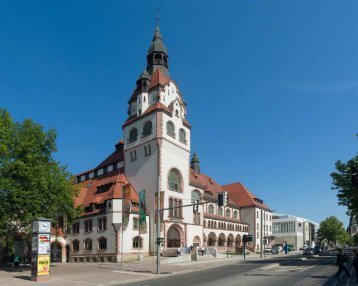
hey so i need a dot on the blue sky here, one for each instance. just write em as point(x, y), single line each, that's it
point(271, 86)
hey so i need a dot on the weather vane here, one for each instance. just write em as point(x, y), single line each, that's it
point(157, 17)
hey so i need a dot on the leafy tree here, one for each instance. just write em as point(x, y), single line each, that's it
point(32, 183)
point(333, 230)
point(347, 189)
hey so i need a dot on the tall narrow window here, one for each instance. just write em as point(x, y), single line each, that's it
point(102, 223)
point(170, 207)
point(174, 181)
point(211, 209)
point(88, 244)
point(147, 128)
point(170, 129)
point(76, 245)
point(133, 134)
point(228, 213)
point(88, 225)
point(102, 244)
point(182, 136)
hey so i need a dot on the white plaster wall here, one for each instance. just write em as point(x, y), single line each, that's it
point(109, 234)
point(178, 158)
point(129, 234)
point(193, 230)
point(139, 125)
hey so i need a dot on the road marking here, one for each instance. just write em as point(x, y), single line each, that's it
point(134, 273)
point(75, 281)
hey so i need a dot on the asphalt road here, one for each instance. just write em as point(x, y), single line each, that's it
point(281, 271)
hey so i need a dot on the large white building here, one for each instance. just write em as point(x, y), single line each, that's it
point(155, 156)
point(294, 230)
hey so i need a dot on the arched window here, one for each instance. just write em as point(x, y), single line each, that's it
point(137, 242)
point(174, 181)
point(236, 214)
point(133, 134)
point(102, 244)
point(211, 209)
point(220, 211)
point(170, 129)
point(147, 128)
point(88, 244)
point(195, 196)
point(182, 136)
point(76, 245)
point(228, 213)
point(173, 237)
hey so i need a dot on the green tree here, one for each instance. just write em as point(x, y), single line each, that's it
point(32, 183)
point(347, 192)
point(332, 230)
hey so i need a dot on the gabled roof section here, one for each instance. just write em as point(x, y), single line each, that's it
point(243, 197)
point(116, 156)
point(158, 78)
point(89, 190)
point(152, 108)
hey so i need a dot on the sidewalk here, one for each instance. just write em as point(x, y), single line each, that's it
point(80, 274)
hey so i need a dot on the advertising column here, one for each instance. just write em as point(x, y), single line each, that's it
point(41, 249)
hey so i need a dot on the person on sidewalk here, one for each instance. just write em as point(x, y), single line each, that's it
point(202, 250)
point(355, 263)
point(342, 259)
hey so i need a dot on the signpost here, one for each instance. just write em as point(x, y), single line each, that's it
point(41, 249)
point(246, 238)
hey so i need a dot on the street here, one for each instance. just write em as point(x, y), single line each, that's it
point(279, 271)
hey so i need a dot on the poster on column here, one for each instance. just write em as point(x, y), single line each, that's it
point(44, 245)
point(43, 265)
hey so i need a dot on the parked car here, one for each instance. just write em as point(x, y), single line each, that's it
point(308, 251)
point(317, 249)
point(268, 249)
point(303, 247)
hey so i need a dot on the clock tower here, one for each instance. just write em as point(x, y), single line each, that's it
point(157, 141)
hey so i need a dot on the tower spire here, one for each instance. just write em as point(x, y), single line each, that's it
point(157, 56)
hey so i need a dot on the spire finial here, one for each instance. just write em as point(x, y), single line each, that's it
point(157, 18)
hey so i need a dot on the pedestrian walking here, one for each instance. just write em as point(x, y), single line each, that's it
point(202, 250)
point(342, 259)
point(355, 263)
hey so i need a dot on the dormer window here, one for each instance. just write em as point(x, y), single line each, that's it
point(176, 113)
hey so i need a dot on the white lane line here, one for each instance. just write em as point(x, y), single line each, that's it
point(308, 267)
point(135, 273)
point(75, 281)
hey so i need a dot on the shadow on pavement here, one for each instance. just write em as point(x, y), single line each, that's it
point(28, 278)
point(15, 269)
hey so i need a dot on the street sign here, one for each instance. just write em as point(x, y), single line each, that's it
point(247, 237)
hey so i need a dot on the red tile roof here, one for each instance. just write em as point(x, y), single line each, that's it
point(116, 156)
point(205, 182)
point(152, 108)
point(242, 196)
point(158, 78)
point(88, 189)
